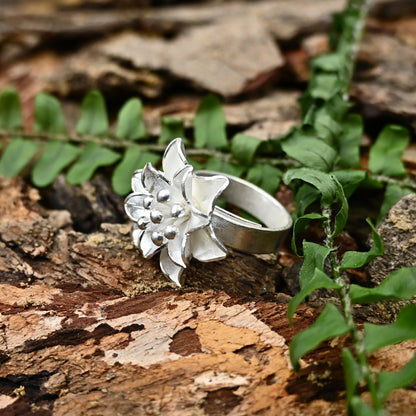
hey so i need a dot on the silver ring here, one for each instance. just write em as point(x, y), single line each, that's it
point(173, 212)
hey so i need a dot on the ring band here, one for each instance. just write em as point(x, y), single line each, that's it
point(244, 235)
point(174, 213)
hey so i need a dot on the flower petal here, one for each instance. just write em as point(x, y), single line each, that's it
point(153, 180)
point(133, 205)
point(136, 234)
point(169, 268)
point(205, 246)
point(182, 182)
point(174, 158)
point(197, 221)
point(147, 246)
point(136, 182)
point(177, 249)
point(206, 190)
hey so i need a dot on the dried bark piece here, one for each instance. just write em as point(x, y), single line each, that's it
point(207, 56)
point(106, 259)
point(270, 115)
point(398, 234)
point(281, 18)
point(101, 355)
point(388, 86)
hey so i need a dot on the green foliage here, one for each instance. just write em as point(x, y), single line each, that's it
point(388, 381)
point(398, 285)
point(92, 157)
point(210, 124)
point(94, 118)
point(349, 142)
point(404, 328)
point(48, 114)
point(355, 259)
point(55, 157)
point(314, 256)
point(10, 110)
point(393, 194)
point(322, 181)
point(386, 153)
point(265, 176)
point(301, 224)
point(132, 159)
point(130, 125)
point(222, 166)
point(17, 155)
point(171, 128)
point(352, 372)
point(244, 148)
point(319, 280)
point(330, 323)
point(19, 151)
point(304, 146)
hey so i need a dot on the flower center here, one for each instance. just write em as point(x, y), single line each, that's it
point(165, 215)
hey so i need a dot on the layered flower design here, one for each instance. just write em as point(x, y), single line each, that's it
point(171, 212)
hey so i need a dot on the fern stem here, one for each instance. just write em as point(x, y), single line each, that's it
point(404, 182)
point(355, 333)
point(118, 144)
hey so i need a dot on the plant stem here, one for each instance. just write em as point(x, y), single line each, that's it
point(356, 334)
point(114, 143)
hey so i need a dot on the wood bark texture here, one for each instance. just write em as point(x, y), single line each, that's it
point(88, 327)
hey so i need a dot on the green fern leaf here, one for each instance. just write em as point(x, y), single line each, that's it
point(130, 125)
point(93, 157)
point(210, 125)
point(48, 114)
point(218, 165)
point(265, 176)
point(10, 110)
point(94, 118)
point(329, 324)
point(378, 336)
point(55, 157)
point(133, 159)
point(17, 155)
point(171, 128)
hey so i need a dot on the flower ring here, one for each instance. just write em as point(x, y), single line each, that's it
point(174, 213)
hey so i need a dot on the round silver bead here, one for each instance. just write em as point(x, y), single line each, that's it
point(143, 222)
point(156, 216)
point(147, 201)
point(177, 210)
point(157, 238)
point(163, 195)
point(170, 232)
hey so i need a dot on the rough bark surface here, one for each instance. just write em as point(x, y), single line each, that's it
point(89, 327)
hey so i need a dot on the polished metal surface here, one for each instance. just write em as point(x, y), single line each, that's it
point(244, 235)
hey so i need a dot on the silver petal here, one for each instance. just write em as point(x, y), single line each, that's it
point(136, 182)
point(133, 205)
point(197, 221)
point(136, 234)
point(177, 249)
point(174, 158)
point(153, 180)
point(206, 190)
point(205, 246)
point(182, 181)
point(169, 268)
point(147, 246)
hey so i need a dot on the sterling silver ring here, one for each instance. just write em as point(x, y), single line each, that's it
point(173, 212)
